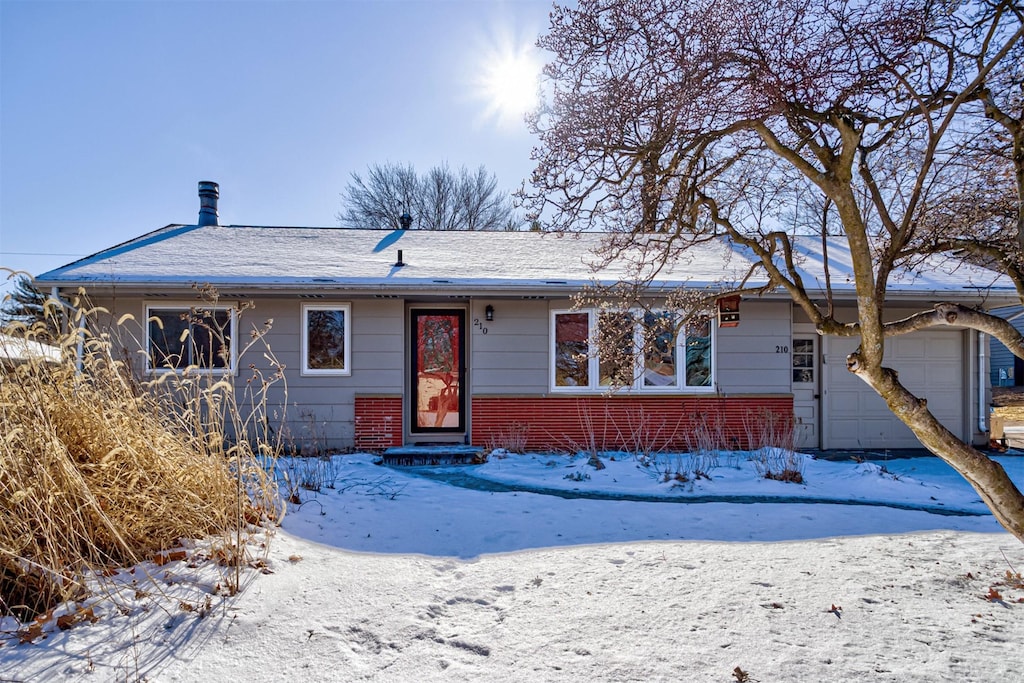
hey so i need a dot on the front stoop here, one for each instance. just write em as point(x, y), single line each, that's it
point(434, 454)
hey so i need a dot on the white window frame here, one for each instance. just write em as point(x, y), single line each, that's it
point(813, 367)
point(346, 308)
point(638, 386)
point(188, 307)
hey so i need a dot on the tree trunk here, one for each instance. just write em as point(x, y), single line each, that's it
point(985, 475)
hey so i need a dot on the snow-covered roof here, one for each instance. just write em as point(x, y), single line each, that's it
point(356, 259)
point(17, 349)
point(936, 274)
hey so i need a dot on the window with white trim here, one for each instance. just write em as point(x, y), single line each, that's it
point(643, 351)
point(179, 337)
point(803, 361)
point(326, 339)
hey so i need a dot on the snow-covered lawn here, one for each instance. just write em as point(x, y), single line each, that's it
point(396, 576)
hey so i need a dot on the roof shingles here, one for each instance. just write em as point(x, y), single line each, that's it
point(352, 259)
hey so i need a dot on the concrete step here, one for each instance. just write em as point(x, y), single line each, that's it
point(433, 454)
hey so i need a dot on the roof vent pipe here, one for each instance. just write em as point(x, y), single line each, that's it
point(209, 193)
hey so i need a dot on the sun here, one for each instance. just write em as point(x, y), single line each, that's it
point(508, 81)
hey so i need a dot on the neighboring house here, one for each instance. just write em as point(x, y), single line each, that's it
point(16, 351)
point(406, 337)
point(1006, 369)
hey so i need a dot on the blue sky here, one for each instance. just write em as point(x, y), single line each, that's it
point(110, 112)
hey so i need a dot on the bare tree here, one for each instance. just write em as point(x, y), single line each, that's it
point(28, 306)
point(481, 205)
point(380, 199)
point(990, 167)
point(441, 199)
point(675, 122)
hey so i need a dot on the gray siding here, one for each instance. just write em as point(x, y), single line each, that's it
point(322, 407)
point(507, 356)
point(512, 358)
point(318, 409)
point(1001, 358)
point(754, 357)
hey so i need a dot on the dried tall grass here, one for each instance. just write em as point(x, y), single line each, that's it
point(96, 472)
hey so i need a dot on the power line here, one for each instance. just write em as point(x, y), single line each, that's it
point(36, 253)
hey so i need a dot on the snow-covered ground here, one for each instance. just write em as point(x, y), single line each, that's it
point(395, 576)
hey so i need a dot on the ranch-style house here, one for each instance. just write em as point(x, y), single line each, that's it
point(408, 337)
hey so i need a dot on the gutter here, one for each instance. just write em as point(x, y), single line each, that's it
point(478, 285)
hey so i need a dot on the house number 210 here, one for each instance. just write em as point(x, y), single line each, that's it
point(477, 323)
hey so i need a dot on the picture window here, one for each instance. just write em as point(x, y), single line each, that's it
point(326, 339)
point(646, 351)
point(182, 337)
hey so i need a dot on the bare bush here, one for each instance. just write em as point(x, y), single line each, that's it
point(671, 467)
point(771, 437)
point(378, 486)
point(645, 436)
point(593, 443)
point(512, 438)
point(705, 439)
point(307, 473)
point(765, 427)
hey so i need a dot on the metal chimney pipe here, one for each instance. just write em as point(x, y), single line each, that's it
point(405, 220)
point(209, 193)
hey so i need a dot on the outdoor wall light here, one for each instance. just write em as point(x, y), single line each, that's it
point(489, 313)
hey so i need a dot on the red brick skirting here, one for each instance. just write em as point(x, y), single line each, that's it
point(378, 422)
point(627, 422)
point(584, 422)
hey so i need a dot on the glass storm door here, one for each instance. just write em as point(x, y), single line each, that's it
point(438, 368)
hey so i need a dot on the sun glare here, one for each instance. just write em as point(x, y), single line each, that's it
point(508, 82)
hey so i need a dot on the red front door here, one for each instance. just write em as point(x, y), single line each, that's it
point(438, 403)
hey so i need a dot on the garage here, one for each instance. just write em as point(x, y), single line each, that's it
point(929, 363)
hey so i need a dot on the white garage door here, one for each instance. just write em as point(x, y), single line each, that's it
point(929, 363)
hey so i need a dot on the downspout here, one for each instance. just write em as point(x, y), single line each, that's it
point(80, 347)
point(982, 378)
